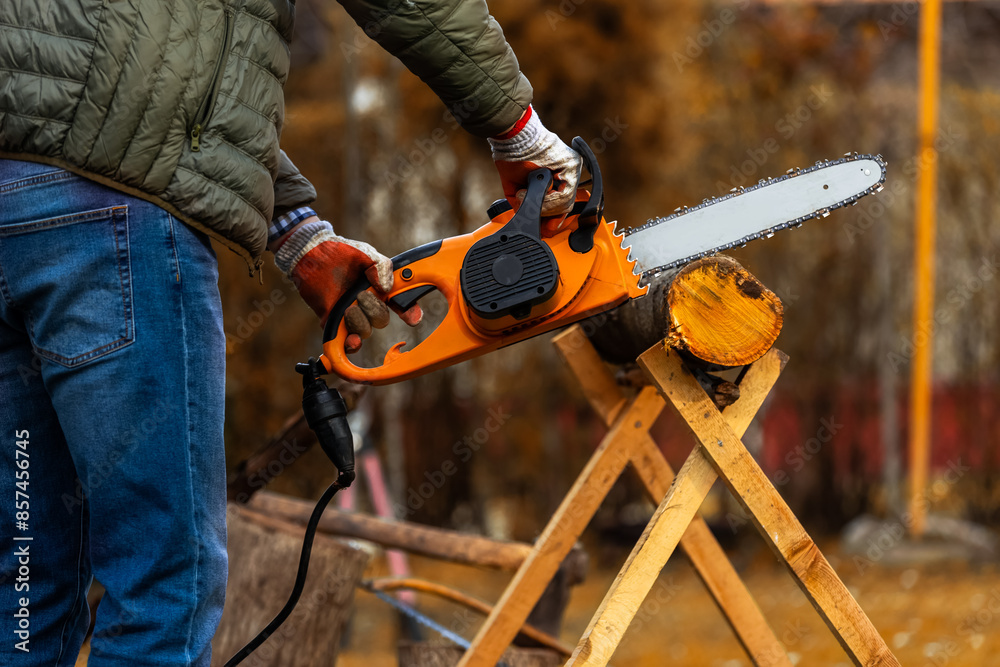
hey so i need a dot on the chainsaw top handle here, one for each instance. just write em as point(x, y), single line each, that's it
point(582, 239)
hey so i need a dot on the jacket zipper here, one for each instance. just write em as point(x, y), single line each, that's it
point(208, 103)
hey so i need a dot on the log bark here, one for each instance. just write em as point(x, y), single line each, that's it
point(712, 310)
point(262, 558)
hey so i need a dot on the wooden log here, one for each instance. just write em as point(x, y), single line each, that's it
point(712, 310)
point(423, 540)
point(262, 558)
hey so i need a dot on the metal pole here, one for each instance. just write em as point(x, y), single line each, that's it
point(923, 307)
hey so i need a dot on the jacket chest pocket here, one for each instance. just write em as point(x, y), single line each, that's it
point(71, 278)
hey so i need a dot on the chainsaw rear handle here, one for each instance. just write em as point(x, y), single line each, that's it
point(399, 262)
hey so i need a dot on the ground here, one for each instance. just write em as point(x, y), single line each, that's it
point(930, 615)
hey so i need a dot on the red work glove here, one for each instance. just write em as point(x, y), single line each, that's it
point(528, 146)
point(323, 266)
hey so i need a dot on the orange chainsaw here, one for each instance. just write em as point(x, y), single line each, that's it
point(506, 281)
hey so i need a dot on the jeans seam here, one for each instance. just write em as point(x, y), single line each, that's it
point(54, 175)
point(80, 358)
point(62, 220)
point(5, 289)
point(125, 274)
point(76, 600)
point(173, 246)
point(191, 499)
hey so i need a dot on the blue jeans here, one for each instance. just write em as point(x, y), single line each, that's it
point(112, 371)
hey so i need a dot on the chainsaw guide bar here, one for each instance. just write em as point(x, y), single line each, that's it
point(747, 214)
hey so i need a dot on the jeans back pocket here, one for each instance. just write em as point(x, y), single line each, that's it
point(70, 277)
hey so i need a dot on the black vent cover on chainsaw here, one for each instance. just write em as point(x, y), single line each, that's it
point(512, 270)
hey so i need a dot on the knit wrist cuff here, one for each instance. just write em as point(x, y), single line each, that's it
point(518, 145)
point(302, 240)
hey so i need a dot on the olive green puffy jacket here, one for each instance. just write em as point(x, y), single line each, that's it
point(180, 101)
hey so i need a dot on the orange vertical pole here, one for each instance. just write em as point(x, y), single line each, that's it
point(923, 307)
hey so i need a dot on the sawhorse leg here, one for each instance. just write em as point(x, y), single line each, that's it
point(721, 453)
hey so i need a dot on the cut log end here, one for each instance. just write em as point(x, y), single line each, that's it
point(721, 314)
point(712, 309)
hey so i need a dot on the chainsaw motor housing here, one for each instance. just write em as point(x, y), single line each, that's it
point(512, 270)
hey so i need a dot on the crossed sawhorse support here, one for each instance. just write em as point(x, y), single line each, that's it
point(720, 453)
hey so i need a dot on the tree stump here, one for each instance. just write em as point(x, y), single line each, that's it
point(712, 310)
point(427, 654)
point(263, 557)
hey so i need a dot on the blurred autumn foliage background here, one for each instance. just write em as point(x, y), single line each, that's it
point(681, 100)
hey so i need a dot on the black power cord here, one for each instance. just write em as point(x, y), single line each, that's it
point(326, 414)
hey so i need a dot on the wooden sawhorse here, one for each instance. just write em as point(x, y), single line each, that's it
point(720, 453)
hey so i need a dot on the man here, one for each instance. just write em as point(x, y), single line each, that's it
point(130, 133)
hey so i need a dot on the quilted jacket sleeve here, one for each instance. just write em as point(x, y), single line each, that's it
point(457, 49)
point(291, 189)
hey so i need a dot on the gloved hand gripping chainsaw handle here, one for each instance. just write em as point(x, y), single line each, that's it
point(503, 283)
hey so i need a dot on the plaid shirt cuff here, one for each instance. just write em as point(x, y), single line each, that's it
point(283, 224)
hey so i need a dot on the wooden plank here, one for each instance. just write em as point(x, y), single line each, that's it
point(643, 566)
point(562, 531)
point(714, 569)
point(672, 518)
point(709, 560)
point(776, 522)
point(758, 381)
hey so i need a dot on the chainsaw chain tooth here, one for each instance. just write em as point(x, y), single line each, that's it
point(633, 265)
point(649, 274)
